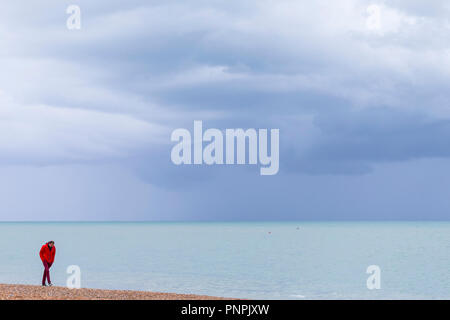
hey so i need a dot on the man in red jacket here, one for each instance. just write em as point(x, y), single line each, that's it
point(47, 255)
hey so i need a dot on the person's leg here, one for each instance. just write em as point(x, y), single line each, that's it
point(45, 272)
point(48, 274)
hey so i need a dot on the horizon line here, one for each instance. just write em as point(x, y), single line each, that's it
point(219, 221)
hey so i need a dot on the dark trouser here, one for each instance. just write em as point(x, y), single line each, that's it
point(46, 272)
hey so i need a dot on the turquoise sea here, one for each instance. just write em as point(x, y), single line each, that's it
point(270, 260)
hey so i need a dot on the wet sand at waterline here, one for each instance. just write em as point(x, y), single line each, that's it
point(29, 292)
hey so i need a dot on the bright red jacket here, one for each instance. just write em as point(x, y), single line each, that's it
point(46, 254)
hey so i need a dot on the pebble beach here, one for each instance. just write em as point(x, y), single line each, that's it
point(30, 292)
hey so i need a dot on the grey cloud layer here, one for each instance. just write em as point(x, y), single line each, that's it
point(346, 99)
point(154, 61)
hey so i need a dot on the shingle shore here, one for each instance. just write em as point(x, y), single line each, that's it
point(30, 292)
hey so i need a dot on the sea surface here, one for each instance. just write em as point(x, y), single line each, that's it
point(286, 260)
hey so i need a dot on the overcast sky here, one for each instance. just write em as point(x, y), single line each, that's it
point(363, 109)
